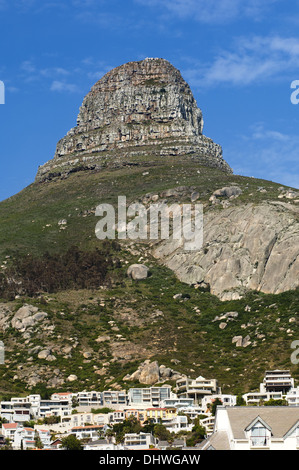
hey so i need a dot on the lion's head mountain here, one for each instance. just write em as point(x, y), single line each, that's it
point(137, 109)
point(70, 307)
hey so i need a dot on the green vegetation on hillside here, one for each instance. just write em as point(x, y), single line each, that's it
point(101, 331)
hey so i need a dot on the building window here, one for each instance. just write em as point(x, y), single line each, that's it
point(259, 436)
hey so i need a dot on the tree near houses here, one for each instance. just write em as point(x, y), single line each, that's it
point(71, 443)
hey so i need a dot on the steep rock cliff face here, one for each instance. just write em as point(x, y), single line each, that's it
point(138, 111)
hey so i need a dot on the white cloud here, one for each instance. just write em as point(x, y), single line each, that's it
point(272, 153)
point(61, 86)
point(212, 11)
point(28, 67)
point(49, 72)
point(252, 60)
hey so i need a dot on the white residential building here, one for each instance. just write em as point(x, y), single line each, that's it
point(277, 381)
point(177, 402)
point(226, 400)
point(24, 438)
point(254, 428)
point(256, 398)
point(63, 396)
point(20, 437)
point(76, 420)
point(117, 416)
point(87, 432)
point(208, 423)
point(21, 409)
point(103, 444)
point(89, 399)
point(141, 441)
point(17, 410)
point(179, 423)
point(192, 411)
point(8, 430)
point(114, 399)
point(149, 396)
point(292, 397)
point(59, 407)
point(196, 388)
point(45, 437)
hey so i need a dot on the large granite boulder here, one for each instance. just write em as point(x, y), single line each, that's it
point(138, 271)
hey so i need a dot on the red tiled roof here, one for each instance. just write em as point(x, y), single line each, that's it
point(10, 425)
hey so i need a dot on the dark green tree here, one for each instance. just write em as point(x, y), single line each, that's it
point(129, 425)
point(273, 402)
point(71, 443)
point(197, 435)
point(162, 433)
point(216, 402)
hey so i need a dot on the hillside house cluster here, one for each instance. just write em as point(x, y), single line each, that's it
point(82, 414)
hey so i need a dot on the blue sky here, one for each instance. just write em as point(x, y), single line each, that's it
point(239, 57)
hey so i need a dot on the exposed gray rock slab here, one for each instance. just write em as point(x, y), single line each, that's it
point(246, 247)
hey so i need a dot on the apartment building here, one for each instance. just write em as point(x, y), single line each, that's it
point(89, 399)
point(256, 398)
point(197, 388)
point(149, 396)
point(17, 410)
point(59, 407)
point(114, 398)
point(24, 438)
point(8, 430)
point(177, 402)
point(277, 381)
point(139, 414)
point(141, 441)
point(178, 423)
point(276, 385)
point(161, 415)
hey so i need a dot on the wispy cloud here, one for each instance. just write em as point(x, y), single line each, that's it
point(275, 155)
point(250, 60)
point(213, 11)
point(63, 77)
point(62, 86)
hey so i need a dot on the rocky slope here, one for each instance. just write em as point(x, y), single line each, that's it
point(137, 110)
point(246, 247)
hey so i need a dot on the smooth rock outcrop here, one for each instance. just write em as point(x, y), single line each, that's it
point(246, 247)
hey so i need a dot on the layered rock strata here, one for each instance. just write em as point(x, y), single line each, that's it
point(137, 112)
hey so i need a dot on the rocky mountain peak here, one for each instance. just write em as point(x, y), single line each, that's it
point(142, 109)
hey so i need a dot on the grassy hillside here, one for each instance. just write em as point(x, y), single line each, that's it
point(29, 220)
point(100, 335)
